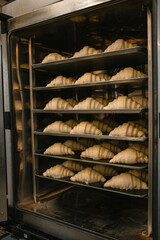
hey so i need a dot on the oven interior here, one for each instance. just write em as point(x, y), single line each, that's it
point(108, 214)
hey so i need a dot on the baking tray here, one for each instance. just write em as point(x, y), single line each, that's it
point(137, 139)
point(92, 84)
point(106, 162)
point(120, 58)
point(99, 186)
point(87, 111)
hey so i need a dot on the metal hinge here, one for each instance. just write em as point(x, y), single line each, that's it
point(7, 120)
point(4, 22)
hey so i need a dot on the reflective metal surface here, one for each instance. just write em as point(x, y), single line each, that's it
point(3, 184)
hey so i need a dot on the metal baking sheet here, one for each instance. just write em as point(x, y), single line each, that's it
point(92, 84)
point(110, 111)
point(99, 186)
point(97, 61)
point(135, 139)
point(77, 158)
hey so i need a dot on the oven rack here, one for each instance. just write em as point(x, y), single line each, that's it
point(93, 84)
point(101, 60)
point(85, 111)
point(98, 186)
point(77, 158)
point(99, 137)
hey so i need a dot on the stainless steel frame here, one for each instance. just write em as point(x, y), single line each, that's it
point(3, 184)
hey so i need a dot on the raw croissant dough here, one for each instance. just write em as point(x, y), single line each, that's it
point(85, 128)
point(53, 57)
point(58, 126)
point(143, 175)
point(141, 100)
point(58, 171)
point(111, 147)
point(128, 73)
point(86, 51)
point(127, 130)
point(88, 175)
point(59, 149)
point(57, 103)
point(139, 147)
point(123, 102)
point(126, 181)
point(129, 156)
point(73, 166)
point(71, 101)
point(102, 126)
point(97, 152)
point(75, 146)
point(118, 45)
point(106, 171)
point(60, 80)
point(90, 77)
point(71, 122)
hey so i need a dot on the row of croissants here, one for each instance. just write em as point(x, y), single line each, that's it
point(119, 44)
point(134, 154)
point(122, 102)
point(133, 179)
point(97, 76)
point(96, 127)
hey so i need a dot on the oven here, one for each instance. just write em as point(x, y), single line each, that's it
point(60, 206)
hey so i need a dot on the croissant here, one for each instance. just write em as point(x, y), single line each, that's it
point(102, 74)
point(126, 181)
point(123, 102)
point(106, 171)
point(101, 100)
point(85, 128)
point(89, 77)
point(111, 147)
point(88, 175)
point(57, 103)
point(118, 45)
point(140, 127)
point(53, 57)
point(142, 122)
point(129, 156)
point(58, 171)
point(71, 122)
point(86, 51)
point(59, 149)
point(143, 175)
point(73, 166)
point(139, 147)
point(58, 126)
point(126, 130)
point(111, 123)
point(87, 142)
point(71, 101)
point(60, 80)
point(97, 152)
point(128, 73)
point(74, 145)
point(143, 101)
point(102, 126)
point(89, 103)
